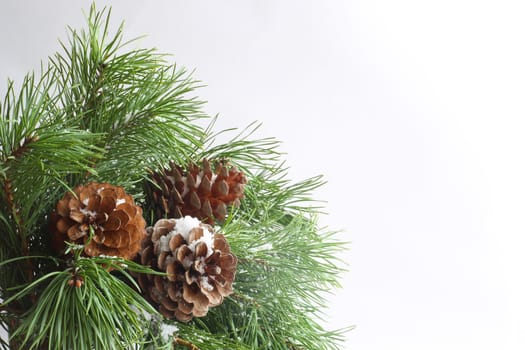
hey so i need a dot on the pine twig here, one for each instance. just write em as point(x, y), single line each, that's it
point(10, 309)
point(17, 153)
point(8, 188)
point(179, 341)
point(15, 211)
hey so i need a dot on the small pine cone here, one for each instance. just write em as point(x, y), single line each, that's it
point(116, 222)
point(198, 192)
point(199, 265)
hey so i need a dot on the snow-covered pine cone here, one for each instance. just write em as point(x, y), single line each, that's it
point(199, 192)
point(199, 264)
point(116, 222)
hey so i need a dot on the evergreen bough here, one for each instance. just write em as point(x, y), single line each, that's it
point(99, 111)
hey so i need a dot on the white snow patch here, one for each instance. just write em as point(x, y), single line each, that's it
point(184, 225)
point(88, 212)
point(186, 262)
point(164, 241)
point(168, 330)
point(141, 313)
point(267, 246)
point(205, 283)
point(164, 330)
point(263, 247)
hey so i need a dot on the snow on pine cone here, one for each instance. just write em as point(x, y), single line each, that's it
point(116, 222)
point(199, 264)
point(199, 192)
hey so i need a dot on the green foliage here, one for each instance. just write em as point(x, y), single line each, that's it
point(135, 100)
point(204, 339)
point(102, 111)
point(246, 153)
point(102, 299)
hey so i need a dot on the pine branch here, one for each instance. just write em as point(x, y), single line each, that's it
point(35, 149)
point(275, 301)
point(246, 153)
point(134, 98)
point(285, 264)
point(100, 299)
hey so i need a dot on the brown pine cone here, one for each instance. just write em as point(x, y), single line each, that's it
point(199, 265)
point(198, 192)
point(111, 215)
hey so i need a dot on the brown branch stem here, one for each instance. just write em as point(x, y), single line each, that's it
point(15, 211)
point(19, 152)
point(244, 298)
point(10, 309)
point(179, 341)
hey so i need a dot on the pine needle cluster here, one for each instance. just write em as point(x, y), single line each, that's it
point(103, 111)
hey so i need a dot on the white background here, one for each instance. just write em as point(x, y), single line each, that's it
point(412, 109)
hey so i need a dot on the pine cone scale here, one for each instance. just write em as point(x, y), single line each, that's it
point(205, 186)
point(75, 233)
point(107, 204)
point(185, 307)
point(93, 202)
point(76, 215)
point(63, 225)
point(115, 239)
